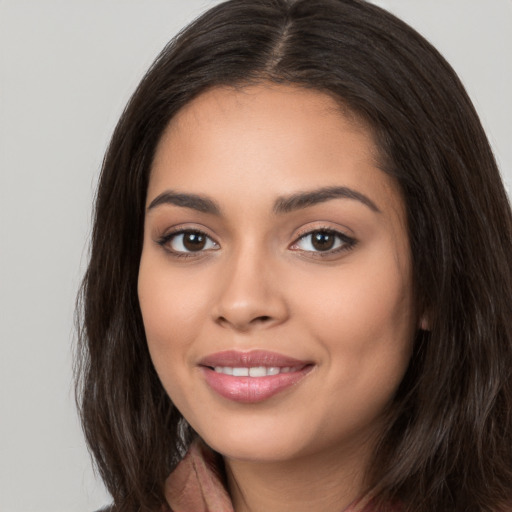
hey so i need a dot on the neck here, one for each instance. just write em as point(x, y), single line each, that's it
point(324, 482)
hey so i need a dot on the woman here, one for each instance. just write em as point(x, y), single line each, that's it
point(300, 275)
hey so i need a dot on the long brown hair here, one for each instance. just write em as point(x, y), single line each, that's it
point(448, 441)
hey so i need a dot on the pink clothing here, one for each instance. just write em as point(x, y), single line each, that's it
point(196, 485)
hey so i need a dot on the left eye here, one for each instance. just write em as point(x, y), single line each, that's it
point(190, 241)
point(323, 241)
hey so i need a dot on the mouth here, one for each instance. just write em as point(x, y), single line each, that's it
point(251, 377)
point(255, 371)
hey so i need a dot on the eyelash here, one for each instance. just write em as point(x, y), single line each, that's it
point(169, 237)
point(346, 243)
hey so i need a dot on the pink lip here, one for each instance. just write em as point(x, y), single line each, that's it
point(252, 358)
point(252, 389)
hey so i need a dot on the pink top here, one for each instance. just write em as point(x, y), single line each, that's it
point(196, 485)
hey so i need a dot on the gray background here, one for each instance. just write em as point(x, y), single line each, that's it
point(67, 68)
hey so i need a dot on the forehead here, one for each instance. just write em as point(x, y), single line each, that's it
point(286, 137)
point(250, 100)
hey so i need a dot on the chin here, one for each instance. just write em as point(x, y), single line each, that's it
point(263, 452)
point(258, 442)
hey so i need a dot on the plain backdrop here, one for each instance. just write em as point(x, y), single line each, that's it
point(67, 68)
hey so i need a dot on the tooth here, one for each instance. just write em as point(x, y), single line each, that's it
point(257, 371)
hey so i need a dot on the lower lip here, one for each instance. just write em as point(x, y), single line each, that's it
point(250, 390)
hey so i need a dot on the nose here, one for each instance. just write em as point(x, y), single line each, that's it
point(250, 295)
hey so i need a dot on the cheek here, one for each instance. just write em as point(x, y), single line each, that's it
point(170, 302)
point(175, 306)
point(357, 298)
point(364, 320)
point(166, 316)
point(168, 328)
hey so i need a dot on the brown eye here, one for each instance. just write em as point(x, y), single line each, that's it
point(194, 241)
point(189, 241)
point(322, 240)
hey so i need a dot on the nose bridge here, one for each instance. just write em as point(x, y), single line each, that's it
point(249, 294)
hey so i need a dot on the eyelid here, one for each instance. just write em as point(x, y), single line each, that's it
point(176, 231)
point(347, 242)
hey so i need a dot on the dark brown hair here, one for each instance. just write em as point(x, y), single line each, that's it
point(448, 440)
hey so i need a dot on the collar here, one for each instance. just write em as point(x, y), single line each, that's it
point(196, 484)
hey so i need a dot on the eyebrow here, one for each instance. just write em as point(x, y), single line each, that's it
point(286, 204)
point(193, 201)
point(321, 195)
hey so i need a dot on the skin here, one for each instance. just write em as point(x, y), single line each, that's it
point(259, 283)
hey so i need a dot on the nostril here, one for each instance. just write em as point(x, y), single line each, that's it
point(222, 320)
point(263, 318)
point(243, 320)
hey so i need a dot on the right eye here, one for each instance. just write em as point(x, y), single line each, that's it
point(188, 241)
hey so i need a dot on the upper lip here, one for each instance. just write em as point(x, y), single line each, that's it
point(237, 359)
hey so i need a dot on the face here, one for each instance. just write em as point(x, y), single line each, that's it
point(275, 278)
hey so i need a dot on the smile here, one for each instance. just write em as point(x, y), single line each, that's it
point(252, 377)
point(255, 371)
